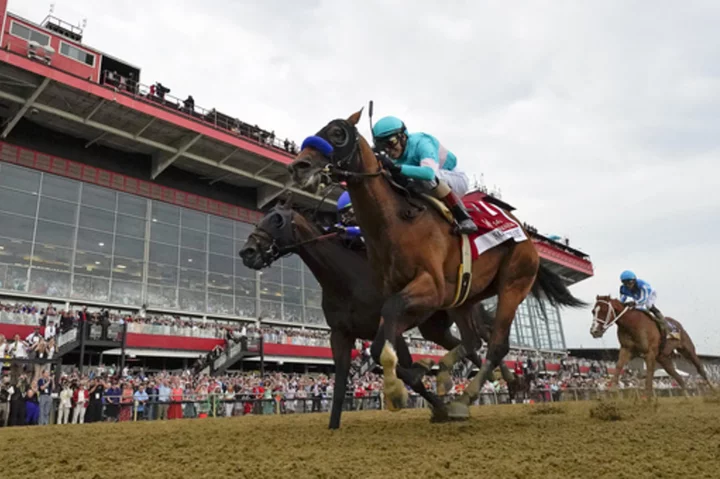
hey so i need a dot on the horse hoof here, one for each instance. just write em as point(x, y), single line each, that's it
point(458, 411)
point(439, 415)
point(396, 396)
point(444, 383)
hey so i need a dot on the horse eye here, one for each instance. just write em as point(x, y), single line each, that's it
point(338, 136)
point(277, 220)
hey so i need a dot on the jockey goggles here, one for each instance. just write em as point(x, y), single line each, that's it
point(389, 142)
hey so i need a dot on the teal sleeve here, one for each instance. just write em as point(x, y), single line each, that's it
point(424, 173)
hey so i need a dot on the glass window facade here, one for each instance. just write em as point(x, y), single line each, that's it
point(535, 326)
point(71, 240)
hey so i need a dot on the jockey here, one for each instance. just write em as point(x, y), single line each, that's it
point(347, 222)
point(639, 294)
point(347, 216)
point(421, 157)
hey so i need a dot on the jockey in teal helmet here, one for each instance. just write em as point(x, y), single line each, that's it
point(639, 294)
point(421, 157)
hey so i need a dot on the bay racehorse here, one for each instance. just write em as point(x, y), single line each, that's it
point(416, 257)
point(639, 336)
point(350, 301)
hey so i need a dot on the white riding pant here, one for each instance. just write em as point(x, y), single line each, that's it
point(649, 303)
point(458, 181)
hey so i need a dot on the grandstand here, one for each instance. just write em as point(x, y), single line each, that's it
point(118, 196)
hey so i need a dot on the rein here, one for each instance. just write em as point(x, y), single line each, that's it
point(611, 311)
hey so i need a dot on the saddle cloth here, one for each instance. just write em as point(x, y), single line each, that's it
point(495, 227)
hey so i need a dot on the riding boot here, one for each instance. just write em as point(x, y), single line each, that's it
point(664, 331)
point(662, 322)
point(466, 226)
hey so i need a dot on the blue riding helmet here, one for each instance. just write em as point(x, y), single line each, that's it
point(388, 126)
point(627, 275)
point(344, 202)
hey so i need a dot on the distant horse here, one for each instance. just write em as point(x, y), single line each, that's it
point(350, 300)
point(639, 336)
point(416, 257)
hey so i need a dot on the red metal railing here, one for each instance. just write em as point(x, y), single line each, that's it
point(221, 121)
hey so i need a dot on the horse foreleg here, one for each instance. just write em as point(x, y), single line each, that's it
point(650, 374)
point(414, 379)
point(341, 346)
point(623, 359)
point(418, 296)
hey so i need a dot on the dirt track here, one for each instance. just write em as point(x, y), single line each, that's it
point(676, 439)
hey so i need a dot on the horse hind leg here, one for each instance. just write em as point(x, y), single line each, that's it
point(509, 299)
point(667, 363)
point(688, 352)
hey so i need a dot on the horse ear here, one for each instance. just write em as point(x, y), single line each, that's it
point(354, 119)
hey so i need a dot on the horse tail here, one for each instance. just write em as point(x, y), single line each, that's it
point(551, 286)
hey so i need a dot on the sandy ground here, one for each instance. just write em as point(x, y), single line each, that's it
point(674, 438)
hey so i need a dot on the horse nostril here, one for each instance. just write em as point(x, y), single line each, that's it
point(247, 252)
point(299, 165)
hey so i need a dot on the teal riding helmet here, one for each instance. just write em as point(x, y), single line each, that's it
point(388, 126)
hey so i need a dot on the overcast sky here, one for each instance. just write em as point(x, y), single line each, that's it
point(598, 120)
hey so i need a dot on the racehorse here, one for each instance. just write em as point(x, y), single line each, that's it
point(416, 257)
point(350, 300)
point(639, 336)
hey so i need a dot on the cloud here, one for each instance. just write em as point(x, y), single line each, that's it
point(599, 121)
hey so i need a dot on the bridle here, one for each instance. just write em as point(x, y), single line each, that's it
point(611, 317)
point(339, 143)
point(274, 249)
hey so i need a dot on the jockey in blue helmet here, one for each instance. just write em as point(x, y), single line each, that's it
point(421, 157)
point(347, 216)
point(637, 293)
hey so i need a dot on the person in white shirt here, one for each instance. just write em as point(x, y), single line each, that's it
point(3, 349)
point(66, 396)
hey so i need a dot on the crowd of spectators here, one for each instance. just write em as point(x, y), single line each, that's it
point(107, 394)
point(30, 395)
point(158, 93)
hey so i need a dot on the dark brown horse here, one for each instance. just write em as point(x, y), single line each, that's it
point(350, 301)
point(639, 336)
point(416, 258)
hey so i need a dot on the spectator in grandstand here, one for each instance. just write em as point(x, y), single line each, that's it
point(4, 352)
point(126, 401)
point(32, 408)
point(45, 386)
point(6, 391)
point(112, 401)
point(80, 399)
point(141, 398)
point(18, 351)
point(164, 392)
point(65, 404)
point(95, 400)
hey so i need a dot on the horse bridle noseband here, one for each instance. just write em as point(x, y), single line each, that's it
point(611, 311)
point(275, 251)
point(340, 152)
